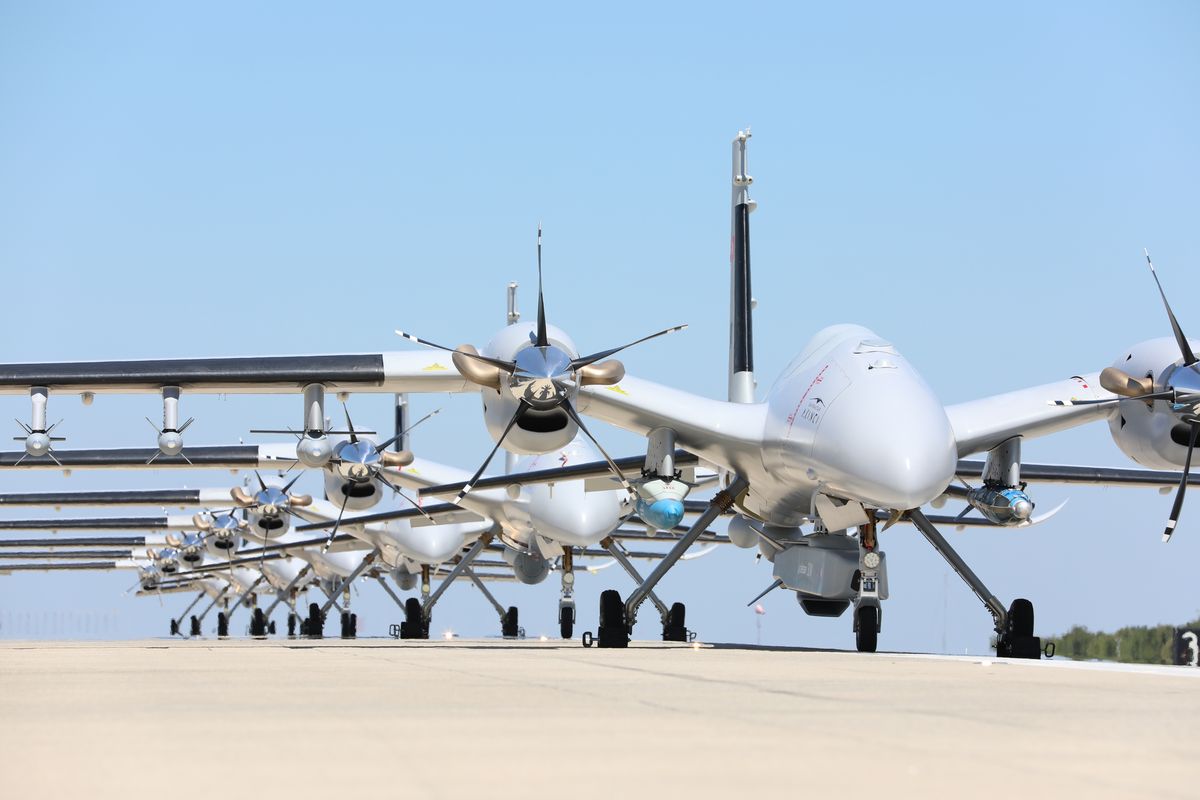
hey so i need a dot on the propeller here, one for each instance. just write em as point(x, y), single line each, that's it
point(359, 461)
point(270, 501)
point(1181, 386)
point(541, 377)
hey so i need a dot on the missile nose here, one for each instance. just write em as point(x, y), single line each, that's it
point(1022, 509)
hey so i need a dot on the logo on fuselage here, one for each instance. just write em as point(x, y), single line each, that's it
point(813, 411)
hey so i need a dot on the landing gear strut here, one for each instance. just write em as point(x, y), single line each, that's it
point(867, 611)
point(615, 626)
point(566, 599)
point(1014, 625)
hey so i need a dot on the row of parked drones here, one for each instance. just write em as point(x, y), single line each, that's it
point(848, 442)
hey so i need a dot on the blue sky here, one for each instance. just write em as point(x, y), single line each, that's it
point(975, 183)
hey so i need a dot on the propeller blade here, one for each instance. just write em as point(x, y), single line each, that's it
point(507, 366)
point(573, 414)
point(603, 354)
point(336, 525)
point(1189, 357)
point(1183, 482)
point(396, 490)
point(288, 486)
point(349, 424)
point(479, 472)
point(261, 483)
point(542, 339)
point(405, 432)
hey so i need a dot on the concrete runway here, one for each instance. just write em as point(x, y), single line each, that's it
point(493, 719)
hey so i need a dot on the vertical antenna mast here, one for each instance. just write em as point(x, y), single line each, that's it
point(741, 332)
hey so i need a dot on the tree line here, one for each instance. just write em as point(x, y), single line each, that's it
point(1137, 644)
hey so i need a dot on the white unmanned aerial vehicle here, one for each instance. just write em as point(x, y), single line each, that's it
point(848, 434)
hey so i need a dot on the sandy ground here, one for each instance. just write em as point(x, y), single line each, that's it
point(495, 719)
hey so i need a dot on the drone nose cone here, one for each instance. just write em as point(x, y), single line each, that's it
point(569, 515)
point(663, 514)
point(887, 442)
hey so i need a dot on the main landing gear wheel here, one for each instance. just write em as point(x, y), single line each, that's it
point(566, 620)
point(349, 625)
point(292, 625)
point(314, 627)
point(174, 627)
point(1017, 640)
point(258, 624)
point(674, 629)
point(866, 628)
point(415, 626)
point(508, 624)
point(222, 625)
point(271, 627)
point(614, 628)
point(195, 626)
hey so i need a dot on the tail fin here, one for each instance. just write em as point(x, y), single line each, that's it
point(741, 329)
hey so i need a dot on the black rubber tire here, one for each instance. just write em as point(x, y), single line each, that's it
point(258, 624)
point(222, 625)
point(675, 629)
point(348, 626)
point(1009, 646)
point(316, 622)
point(1020, 618)
point(566, 621)
point(866, 637)
point(613, 630)
point(174, 627)
point(509, 627)
point(415, 626)
point(271, 627)
point(354, 626)
point(195, 626)
point(292, 625)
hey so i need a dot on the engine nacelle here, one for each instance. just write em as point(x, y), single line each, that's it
point(538, 431)
point(1150, 433)
point(191, 548)
point(358, 496)
point(528, 567)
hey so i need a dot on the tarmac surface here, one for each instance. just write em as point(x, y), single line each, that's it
point(495, 719)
